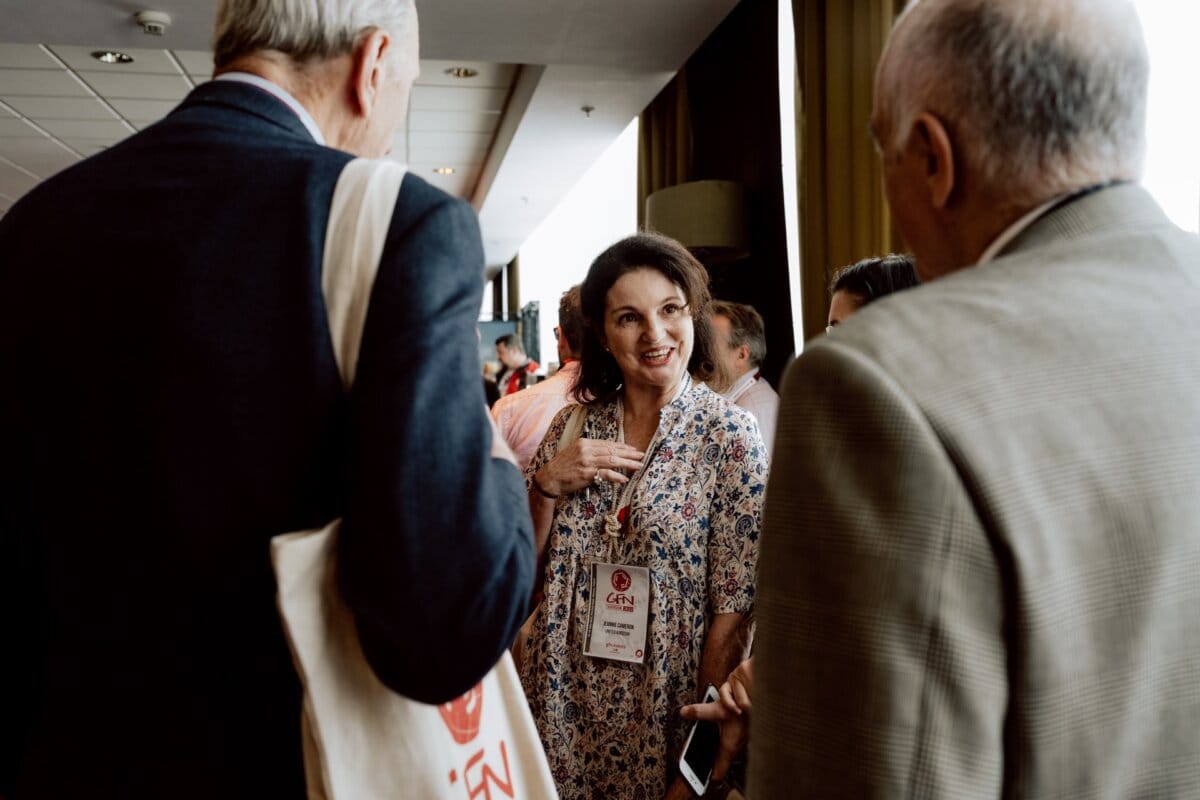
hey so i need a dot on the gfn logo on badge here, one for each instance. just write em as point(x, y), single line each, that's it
point(621, 580)
point(618, 600)
point(464, 717)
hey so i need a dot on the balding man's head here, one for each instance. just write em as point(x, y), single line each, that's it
point(1036, 97)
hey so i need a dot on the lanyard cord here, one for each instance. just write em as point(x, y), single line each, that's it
point(615, 521)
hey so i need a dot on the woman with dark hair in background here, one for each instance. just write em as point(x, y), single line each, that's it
point(866, 281)
point(647, 528)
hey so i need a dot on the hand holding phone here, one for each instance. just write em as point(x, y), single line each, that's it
point(700, 750)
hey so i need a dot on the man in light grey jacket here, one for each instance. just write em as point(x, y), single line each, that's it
point(982, 533)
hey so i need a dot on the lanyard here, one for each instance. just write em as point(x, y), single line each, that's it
point(614, 520)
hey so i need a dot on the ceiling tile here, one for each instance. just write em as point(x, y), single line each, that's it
point(86, 128)
point(450, 156)
point(143, 110)
point(144, 60)
point(5, 111)
point(459, 121)
point(25, 56)
point(13, 126)
point(491, 76)
point(139, 87)
point(14, 182)
point(445, 98)
point(196, 62)
point(41, 108)
point(89, 147)
point(449, 140)
point(39, 83)
point(41, 156)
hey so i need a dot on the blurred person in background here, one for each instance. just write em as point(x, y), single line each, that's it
point(522, 418)
point(866, 281)
point(517, 370)
point(742, 346)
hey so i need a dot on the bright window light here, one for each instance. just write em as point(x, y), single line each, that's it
point(598, 211)
point(1172, 173)
point(788, 174)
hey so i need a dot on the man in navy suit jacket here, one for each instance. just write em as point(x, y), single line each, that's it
point(171, 402)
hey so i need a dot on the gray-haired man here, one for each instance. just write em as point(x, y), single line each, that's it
point(173, 402)
point(740, 330)
point(982, 529)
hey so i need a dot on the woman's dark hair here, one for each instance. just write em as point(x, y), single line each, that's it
point(599, 375)
point(873, 278)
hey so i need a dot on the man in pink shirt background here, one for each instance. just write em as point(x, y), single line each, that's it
point(524, 416)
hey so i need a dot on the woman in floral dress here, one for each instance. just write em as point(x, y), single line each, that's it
point(665, 479)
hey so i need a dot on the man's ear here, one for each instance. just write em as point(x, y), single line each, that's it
point(937, 153)
point(743, 352)
point(366, 65)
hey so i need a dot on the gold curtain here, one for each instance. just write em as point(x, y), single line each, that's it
point(843, 211)
point(664, 142)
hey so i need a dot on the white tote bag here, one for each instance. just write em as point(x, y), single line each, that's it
point(363, 741)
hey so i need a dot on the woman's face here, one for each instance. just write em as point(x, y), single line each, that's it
point(842, 305)
point(648, 329)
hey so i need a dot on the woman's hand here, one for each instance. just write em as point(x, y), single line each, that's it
point(588, 461)
point(584, 462)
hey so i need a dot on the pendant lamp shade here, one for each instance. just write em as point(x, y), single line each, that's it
point(707, 217)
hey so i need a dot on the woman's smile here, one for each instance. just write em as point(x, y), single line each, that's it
point(658, 357)
point(649, 330)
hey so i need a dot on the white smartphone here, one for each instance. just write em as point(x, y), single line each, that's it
point(700, 750)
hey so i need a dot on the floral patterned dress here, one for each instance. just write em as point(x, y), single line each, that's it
point(612, 729)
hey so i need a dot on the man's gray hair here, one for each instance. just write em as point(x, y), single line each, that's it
point(305, 30)
point(745, 328)
point(1042, 94)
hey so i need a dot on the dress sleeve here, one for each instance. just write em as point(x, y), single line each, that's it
point(736, 514)
point(548, 449)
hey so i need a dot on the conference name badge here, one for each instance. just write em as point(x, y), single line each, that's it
point(618, 611)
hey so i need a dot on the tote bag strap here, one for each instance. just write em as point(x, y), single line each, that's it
point(359, 218)
point(573, 428)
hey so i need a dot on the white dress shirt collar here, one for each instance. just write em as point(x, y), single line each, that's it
point(743, 384)
point(1014, 230)
point(284, 96)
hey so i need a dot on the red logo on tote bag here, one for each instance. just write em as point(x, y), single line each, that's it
point(463, 715)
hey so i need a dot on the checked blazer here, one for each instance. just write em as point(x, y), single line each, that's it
point(980, 570)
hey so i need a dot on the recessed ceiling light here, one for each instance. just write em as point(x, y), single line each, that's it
point(444, 170)
point(462, 72)
point(112, 57)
